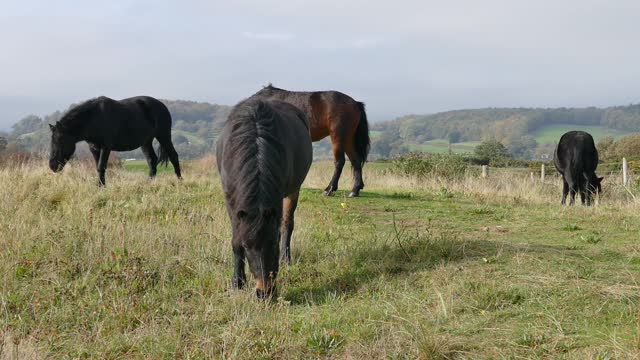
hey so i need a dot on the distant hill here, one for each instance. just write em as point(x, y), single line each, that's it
point(527, 132)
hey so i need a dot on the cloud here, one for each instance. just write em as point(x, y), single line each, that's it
point(267, 36)
point(407, 56)
point(366, 43)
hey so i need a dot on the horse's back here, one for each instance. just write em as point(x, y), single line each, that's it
point(295, 136)
point(153, 111)
point(287, 130)
point(325, 110)
point(576, 152)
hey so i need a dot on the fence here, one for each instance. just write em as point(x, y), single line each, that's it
point(625, 173)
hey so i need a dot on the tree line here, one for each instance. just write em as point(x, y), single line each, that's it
point(510, 126)
point(196, 126)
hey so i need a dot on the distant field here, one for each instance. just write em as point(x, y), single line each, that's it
point(442, 146)
point(374, 134)
point(194, 139)
point(551, 133)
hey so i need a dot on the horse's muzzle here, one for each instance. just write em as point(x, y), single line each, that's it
point(266, 288)
point(56, 166)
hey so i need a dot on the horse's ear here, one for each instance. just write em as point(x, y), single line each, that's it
point(51, 127)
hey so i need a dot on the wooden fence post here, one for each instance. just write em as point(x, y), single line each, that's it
point(625, 172)
point(542, 173)
point(485, 171)
point(531, 175)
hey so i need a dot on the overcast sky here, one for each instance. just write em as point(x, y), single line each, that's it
point(397, 56)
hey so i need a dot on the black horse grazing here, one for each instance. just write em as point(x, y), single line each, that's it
point(107, 124)
point(263, 156)
point(576, 158)
point(340, 117)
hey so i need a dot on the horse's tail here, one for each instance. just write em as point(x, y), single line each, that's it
point(362, 142)
point(163, 156)
point(161, 120)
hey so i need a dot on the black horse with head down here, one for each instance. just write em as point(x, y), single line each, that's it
point(263, 156)
point(576, 158)
point(110, 125)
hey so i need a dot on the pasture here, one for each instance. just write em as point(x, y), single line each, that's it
point(472, 268)
point(550, 134)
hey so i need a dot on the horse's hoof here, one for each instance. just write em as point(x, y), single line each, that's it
point(237, 283)
point(353, 194)
point(327, 193)
point(271, 293)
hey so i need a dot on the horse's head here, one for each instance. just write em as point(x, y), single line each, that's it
point(258, 233)
point(594, 186)
point(596, 183)
point(63, 146)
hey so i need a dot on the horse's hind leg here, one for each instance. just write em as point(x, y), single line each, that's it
point(572, 196)
point(152, 159)
point(289, 205)
point(565, 192)
point(103, 161)
point(338, 155)
point(356, 164)
point(96, 154)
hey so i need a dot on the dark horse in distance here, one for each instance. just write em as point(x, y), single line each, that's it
point(111, 125)
point(263, 155)
point(337, 115)
point(576, 158)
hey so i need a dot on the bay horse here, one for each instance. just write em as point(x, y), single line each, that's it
point(337, 115)
point(263, 155)
point(115, 125)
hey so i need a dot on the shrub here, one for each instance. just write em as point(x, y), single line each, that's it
point(490, 151)
point(431, 165)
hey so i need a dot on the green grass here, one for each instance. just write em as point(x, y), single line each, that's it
point(412, 269)
point(552, 133)
point(141, 166)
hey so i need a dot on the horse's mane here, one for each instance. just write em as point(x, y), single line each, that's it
point(257, 155)
point(74, 118)
point(270, 88)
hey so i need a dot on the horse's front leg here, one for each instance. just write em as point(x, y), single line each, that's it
point(239, 277)
point(289, 205)
point(102, 165)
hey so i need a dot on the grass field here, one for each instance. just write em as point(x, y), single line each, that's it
point(551, 133)
point(475, 268)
